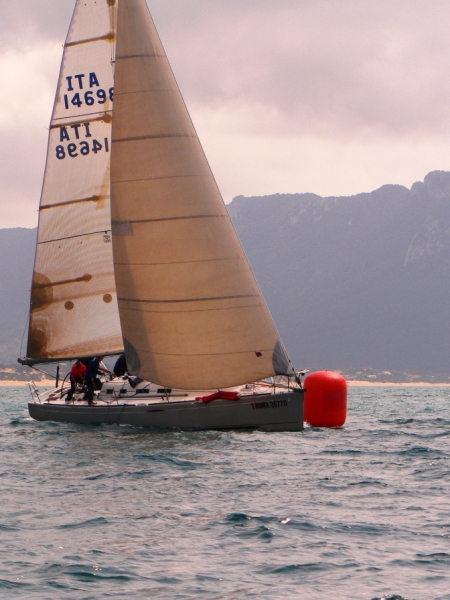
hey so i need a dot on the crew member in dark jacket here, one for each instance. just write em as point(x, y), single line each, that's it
point(91, 378)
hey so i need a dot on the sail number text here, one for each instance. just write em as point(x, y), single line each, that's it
point(73, 149)
point(94, 93)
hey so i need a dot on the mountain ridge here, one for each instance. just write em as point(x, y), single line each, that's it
point(366, 275)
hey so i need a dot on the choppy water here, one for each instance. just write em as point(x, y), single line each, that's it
point(118, 512)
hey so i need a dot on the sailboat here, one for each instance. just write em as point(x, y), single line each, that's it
point(136, 252)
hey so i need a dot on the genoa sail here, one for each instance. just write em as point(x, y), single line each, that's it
point(192, 315)
point(73, 300)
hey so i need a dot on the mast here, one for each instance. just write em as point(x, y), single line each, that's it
point(73, 309)
point(191, 311)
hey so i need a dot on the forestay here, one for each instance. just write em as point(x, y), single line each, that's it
point(191, 312)
point(73, 300)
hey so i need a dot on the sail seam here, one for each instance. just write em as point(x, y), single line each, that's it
point(140, 56)
point(178, 262)
point(154, 137)
point(192, 310)
point(70, 237)
point(165, 90)
point(162, 219)
point(252, 351)
point(206, 299)
point(157, 178)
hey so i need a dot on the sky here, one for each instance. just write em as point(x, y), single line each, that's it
point(334, 97)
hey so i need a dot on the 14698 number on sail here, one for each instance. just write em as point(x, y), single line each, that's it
point(84, 148)
point(89, 98)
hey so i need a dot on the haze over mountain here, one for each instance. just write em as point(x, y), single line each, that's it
point(352, 282)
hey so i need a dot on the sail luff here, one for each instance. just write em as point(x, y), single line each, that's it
point(73, 308)
point(191, 312)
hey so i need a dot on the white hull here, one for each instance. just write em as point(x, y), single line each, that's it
point(267, 411)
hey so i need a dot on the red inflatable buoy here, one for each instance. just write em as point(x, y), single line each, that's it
point(325, 399)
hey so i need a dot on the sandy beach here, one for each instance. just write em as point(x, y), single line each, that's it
point(16, 383)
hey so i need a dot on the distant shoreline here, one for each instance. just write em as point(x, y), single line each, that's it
point(18, 383)
point(350, 383)
point(358, 383)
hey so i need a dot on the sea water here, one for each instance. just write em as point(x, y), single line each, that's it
point(92, 512)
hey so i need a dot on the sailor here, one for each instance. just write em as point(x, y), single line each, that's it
point(91, 377)
point(102, 367)
point(76, 375)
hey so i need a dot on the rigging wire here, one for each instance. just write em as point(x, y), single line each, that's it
point(44, 372)
point(27, 318)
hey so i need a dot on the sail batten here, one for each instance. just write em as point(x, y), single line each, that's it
point(71, 237)
point(77, 201)
point(109, 37)
point(81, 119)
point(191, 312)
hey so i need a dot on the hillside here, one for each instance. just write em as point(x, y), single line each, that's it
point(360, 282)
point(353, 282)
point(16, 265)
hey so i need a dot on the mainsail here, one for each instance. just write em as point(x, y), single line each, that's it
point(73, 300)
point(191, 312)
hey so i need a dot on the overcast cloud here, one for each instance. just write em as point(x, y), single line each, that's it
point(328, 96)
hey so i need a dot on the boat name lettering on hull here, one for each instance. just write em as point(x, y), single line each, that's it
point(270, 404)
